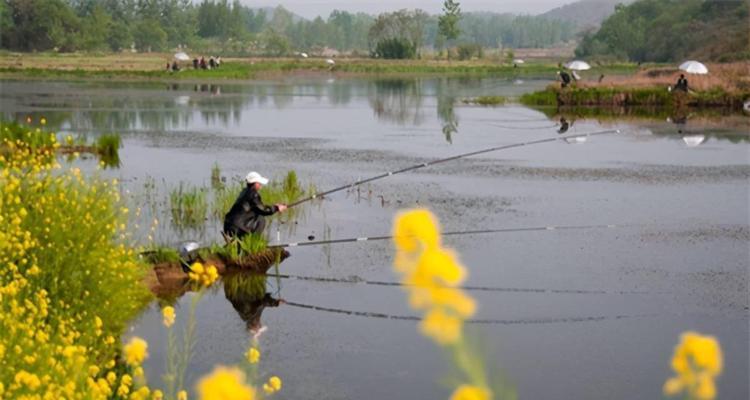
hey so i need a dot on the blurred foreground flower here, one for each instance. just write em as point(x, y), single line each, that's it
point(225, 384)
point(135, 351)
point(168, 315)
point(205, 276)
point(252, 355)
point(431, 275)
point(697, 361)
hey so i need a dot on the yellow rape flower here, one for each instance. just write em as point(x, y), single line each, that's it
point(275, 383)
point(157, 395)
point(415, 227)
point(697, 361)
point(182, 395)
point(470, 392)
point(135, 351)
point(225, 384)
point(252, 355)
point(441, 327)
point(205, 276)
point(168, 315)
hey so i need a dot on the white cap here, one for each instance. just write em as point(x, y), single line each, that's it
point(253, 177)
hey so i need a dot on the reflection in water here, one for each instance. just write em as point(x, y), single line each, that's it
point(445, 109)
point(397, 100)
point(247, 293)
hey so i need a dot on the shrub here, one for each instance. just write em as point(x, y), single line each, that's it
point(395, 48)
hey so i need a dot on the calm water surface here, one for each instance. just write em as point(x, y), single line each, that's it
point(607, 307)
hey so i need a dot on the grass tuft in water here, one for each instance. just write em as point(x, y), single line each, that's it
point(487, 100)
point(188, 206)
point(108, 148)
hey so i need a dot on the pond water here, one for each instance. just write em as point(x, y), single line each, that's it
point(573, 314)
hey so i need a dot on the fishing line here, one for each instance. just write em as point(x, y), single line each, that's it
point(350, 281)
point(451, 233)
point(519, 321)
point(442, 160)
point(527, 128)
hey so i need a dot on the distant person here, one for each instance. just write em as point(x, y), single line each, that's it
point(564, 79)
point(175, 67)
point(564, 125)
point(218, 62)
point(248, 213)
point(169, 66)
point(212, 62)
point(203, 63)
point(682, 84)
point(195, 63)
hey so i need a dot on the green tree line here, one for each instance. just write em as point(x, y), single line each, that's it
point(224, 26)
point(672, 31)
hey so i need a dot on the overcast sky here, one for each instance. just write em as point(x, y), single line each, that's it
point(313, 8)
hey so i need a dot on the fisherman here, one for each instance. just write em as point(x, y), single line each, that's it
point(564, 78)
point(682, 83)
point(248, 212)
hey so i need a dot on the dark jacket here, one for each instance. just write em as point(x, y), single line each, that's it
point(247, 209)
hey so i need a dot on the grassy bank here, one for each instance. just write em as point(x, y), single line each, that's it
point(634, 96)
point(152, 67)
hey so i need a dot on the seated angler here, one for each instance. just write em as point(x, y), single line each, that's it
point(248, 213)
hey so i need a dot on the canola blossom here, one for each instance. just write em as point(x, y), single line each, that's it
point(68, 284)
point(135, 351)
point(203, 275)
point(697, 362)
point(168, 316)
point(252, 355)
point(431, 274)
point(225, 383)
point(469, 392)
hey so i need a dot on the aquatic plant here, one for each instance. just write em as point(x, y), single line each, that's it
point(697, 362)
point(69, 283)
point(216, 182)
point(432, 275)
point(487, 100)
point(160, 254)
point(108, 148)
point(188, 206)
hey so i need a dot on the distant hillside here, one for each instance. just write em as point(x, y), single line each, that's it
point(585, 14)
point(672, 31)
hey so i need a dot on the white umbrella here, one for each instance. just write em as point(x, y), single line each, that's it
point(578, 65)
point(694, 140)
point(303, 55)
point(330, 61)
point(694, 67)
point(518, 61)
point(181, 56)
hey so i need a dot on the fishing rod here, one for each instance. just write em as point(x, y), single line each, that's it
point(517, 321)
point(443, 160)
point(451, 233)
point(468, 288)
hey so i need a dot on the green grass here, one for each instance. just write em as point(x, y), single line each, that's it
point(158, 254)
point(487, 100)
point(251, 68)
point(188, 206)
point(637, 96)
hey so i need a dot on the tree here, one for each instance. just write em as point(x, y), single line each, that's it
point(149, 36)
point(404, 26)
point(448, 22)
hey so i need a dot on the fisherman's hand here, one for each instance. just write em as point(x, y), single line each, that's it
point(281, 207)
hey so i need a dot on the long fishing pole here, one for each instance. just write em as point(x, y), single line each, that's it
point(452, 158)
point(469, 288)
point(451, 233)
point(517, 321)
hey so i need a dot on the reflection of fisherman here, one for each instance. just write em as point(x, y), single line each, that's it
point(564, 125)
point(250, 305)
point(248, 212)
point(564, 78)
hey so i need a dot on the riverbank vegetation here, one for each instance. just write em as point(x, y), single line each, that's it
point(672, 31)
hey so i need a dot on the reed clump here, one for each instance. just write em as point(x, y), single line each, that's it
point(188, 206)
